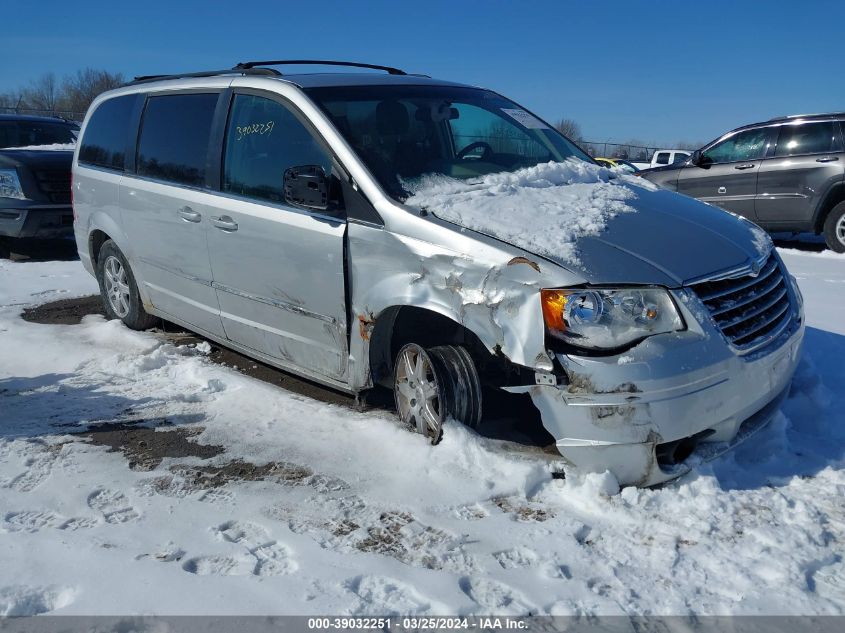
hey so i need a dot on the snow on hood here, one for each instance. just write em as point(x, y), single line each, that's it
point(53, 147)
point(544, 209)
point(762, 240)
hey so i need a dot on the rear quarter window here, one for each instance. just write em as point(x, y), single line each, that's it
point(104, 141)
point(808, 138)
point(173, 142)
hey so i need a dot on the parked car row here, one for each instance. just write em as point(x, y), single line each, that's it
point(786, 174)
point(276, 214)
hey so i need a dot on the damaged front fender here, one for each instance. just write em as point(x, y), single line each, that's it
point(474, 282)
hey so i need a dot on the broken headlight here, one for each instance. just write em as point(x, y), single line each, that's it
point(608, 318)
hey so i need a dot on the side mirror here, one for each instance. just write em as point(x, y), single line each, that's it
point(700, 160)
point(307, 186)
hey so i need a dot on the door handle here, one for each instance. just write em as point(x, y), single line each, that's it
point(225, 223)
point(827, 159)
point(745, 166)
point(189, 215)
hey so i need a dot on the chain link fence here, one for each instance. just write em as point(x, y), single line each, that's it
point(604, 149)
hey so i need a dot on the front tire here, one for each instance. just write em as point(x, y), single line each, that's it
point(119, 290)
point(834, 228)
point(431, 385)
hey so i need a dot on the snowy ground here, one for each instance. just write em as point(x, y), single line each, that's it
point(356, 515)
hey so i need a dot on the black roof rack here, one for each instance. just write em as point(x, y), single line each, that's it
point(317, 62)
point(208, 73)
point(256, 68)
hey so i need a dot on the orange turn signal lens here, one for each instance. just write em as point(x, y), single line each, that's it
point(554, 303)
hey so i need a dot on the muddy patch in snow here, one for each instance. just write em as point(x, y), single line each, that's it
point(346, 524)
point(64, 311)
point(146, 447)
point(203, 477)
point(521, 510)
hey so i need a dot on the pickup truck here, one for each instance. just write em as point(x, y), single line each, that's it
point(35, 160)
point(664, 157)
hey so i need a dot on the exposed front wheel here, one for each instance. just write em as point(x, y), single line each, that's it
point(834, 228)
point(119, 290)
point(430, 385)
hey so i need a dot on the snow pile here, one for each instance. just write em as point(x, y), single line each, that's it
point(21, 601)
point(543, 209)
point(52, 147)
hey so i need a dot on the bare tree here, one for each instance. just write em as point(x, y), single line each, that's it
point(78, 91)
point(570, 129)
point(11, 100)
point(42, 93)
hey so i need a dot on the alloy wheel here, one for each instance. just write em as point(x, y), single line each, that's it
point(117, 286)
point(418, 395)
point(840, 229)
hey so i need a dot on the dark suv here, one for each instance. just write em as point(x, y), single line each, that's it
point(35, 159)
point(787, 175)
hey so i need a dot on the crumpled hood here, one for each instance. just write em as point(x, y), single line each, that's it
point(606, 228)
point(668, 240)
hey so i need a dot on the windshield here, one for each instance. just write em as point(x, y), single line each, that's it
point(34, 133)
point(404, 132)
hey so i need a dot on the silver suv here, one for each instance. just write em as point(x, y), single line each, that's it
point(787, 174)
point(438, 239)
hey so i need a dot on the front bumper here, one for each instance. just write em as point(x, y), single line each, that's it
point(36, 220)
point(649, 414)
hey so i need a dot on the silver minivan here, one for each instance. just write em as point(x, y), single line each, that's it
point(382, 228)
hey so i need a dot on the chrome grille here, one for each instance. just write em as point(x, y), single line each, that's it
point(750, 310)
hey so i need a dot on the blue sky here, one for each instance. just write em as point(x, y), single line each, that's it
point(656, 71)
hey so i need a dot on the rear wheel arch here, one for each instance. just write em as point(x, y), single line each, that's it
point(96, 239)
point(834, 228)
point(833, 198)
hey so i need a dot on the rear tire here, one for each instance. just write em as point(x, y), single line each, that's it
point(119, 290)
point(431, 385)
point(834, 228)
